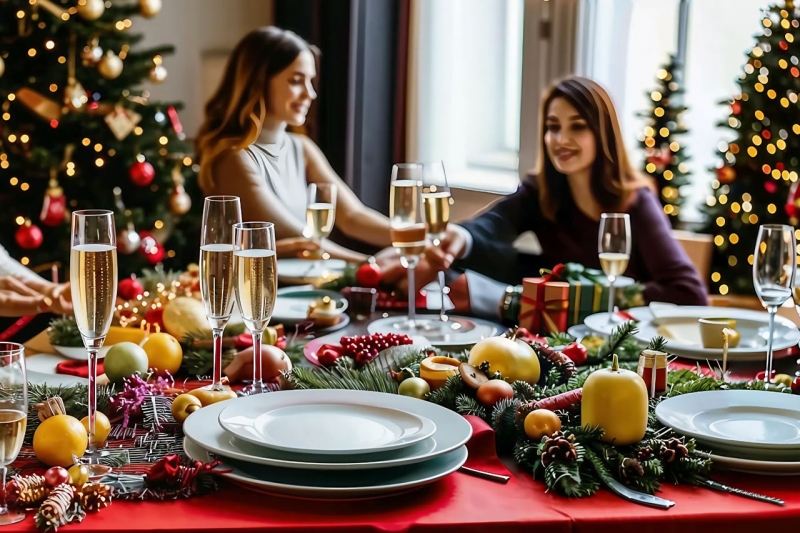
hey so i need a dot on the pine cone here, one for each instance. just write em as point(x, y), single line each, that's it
point(26, 490)
point(557, 447)
point(645, 454)
point(95, 496)
point(673, 449)
point(54, 510)
point(630, 469)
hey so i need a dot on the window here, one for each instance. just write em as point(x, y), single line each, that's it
point(468, 86)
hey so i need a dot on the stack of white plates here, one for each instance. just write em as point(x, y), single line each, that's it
point(303, 443)
point(746, 431)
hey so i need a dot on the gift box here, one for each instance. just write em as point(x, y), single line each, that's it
point(586, 297)
point(544, 305)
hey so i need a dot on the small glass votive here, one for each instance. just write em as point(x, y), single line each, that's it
point(361, 301)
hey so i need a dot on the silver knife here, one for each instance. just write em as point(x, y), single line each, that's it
point(714, 485)
point(635, 496)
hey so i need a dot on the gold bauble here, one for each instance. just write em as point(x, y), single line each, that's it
point(91, 9)
point(2, 67)
point(110, 66)
point(157, 74)
point(91, 55)
point(149, 8)
point(179, 201)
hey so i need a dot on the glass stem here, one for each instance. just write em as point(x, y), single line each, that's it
point(216, 379)
point(611, 280)
point(768, 373)
point(258, 384)
point(412, 295)
point(442, 316)
point(92, 397)
point(3, 505)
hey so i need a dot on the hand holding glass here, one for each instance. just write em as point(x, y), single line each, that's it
point(13, 416)
point(614, 250)
point(774, 267)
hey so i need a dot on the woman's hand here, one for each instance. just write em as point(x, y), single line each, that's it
point(451, 248)
point(459, 294)
point(294, 247)
point(24, 296)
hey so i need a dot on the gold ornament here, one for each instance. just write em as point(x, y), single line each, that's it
point(91, 9)
point(2, 67)
point(92, 53)
point(179, 201)
point(157, 72)
point(149, 8)
point(110, 67)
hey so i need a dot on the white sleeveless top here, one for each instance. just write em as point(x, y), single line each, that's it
point(283, 166)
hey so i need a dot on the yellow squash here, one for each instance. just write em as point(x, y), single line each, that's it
point(435, 370)
point(208, 396)
point(117, 334)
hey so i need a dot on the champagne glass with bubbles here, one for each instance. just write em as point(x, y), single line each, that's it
point(13, 416)
point(256, 284)
point(320, 212)
point(614, 250)
point(436, 201)
point(774, 267)
point(220, 213)
point(93, 282)
point(408, 229)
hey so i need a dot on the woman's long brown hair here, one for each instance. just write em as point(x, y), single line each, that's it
point(235, 113)
point(613, 179)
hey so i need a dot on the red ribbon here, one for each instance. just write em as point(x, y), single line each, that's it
point(170, 472)
point(15, 327)
point(540, 308)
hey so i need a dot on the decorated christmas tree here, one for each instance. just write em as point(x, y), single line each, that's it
point(75, 133)
point(754, 181)
point(665, 158)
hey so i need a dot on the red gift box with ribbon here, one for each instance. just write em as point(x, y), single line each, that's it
point(544, 305)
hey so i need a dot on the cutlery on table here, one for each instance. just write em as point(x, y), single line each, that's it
point(721, 487)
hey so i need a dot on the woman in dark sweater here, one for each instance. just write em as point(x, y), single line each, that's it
point(583, 171)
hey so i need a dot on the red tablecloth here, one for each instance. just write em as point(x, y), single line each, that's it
point(459, 503)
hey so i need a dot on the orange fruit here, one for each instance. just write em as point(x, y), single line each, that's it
point(102, 428)
point(58, 438)
point(541, 423)
point(164, 353)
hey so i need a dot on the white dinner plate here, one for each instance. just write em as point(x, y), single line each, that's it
point(325, 422)
point(333, 485)
point(298, 271)
point(752, 466)
point(679, 326)
point(457, 334)
point(755, 419)
point(452, 431)
point(79, 352)
point(291, 305)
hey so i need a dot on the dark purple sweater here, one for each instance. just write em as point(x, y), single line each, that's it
point(657, 259)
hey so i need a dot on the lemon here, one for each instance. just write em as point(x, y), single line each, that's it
point(58, 438)
point(164, 353)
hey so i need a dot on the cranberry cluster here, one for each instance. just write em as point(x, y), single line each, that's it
point(364, 348)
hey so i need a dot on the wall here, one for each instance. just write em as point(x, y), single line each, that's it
point(202, 31)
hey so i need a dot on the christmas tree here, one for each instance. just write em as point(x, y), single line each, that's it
point(75, 133)
point(759, 166)
point(665, 158)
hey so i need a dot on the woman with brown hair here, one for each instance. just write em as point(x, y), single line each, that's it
point(583, 171)
point(245, 150)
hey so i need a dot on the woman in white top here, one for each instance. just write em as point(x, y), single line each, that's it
point(22, 292)
point(244, 149)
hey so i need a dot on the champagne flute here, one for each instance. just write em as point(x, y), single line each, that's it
point(320, 212)
point(436, 201)
point(774, 267)
point(93, 282)
point(408, 228)
point(256, 284)
point(13, 416)
point(220, 213)
point(614, 250)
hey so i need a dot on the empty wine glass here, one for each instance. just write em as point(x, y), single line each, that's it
point(13, 416)
point(614, 250)
point(93, 282)
point(774, 267)
point(220, 213)
point(436, 201)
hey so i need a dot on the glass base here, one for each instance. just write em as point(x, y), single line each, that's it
point(255, 388)
point(11, 516)
point(417, 326)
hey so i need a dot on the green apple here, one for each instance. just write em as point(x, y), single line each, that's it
point(123, 360)
point(414, 387)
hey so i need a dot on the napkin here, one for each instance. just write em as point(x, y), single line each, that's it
point(482, 450)
point(77, 368)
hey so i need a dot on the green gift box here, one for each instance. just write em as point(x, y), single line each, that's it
point(586, 297)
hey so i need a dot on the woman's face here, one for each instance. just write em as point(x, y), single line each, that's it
point(569, 141)
point(291, 91)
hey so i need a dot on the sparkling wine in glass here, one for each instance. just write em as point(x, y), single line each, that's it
point(436, 201)
point(614, 250)
point(774, 267)
point(220, 213)
point(320, 212)
point(93, 282)
point(256, 284)
point(408, 228)
point(13, 416)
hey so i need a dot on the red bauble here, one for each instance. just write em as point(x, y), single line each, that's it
point(368, 275)
point(56, 476)
point(792, 206)
point(155, 316)
point(142, 173)
point(29, 236)
point(53, 207)
point(129, 288)
point(726, 174)
point(770, 186)
point(151, 248)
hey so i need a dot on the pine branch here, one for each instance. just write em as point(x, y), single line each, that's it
point(559, 339)
point(526, 453)
point(504, 423)
point(466, 405)
point(657, 343)
point(64, 332)
point(447, 394)
point(369, 377)
point(525, 391)
point(617, 337)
